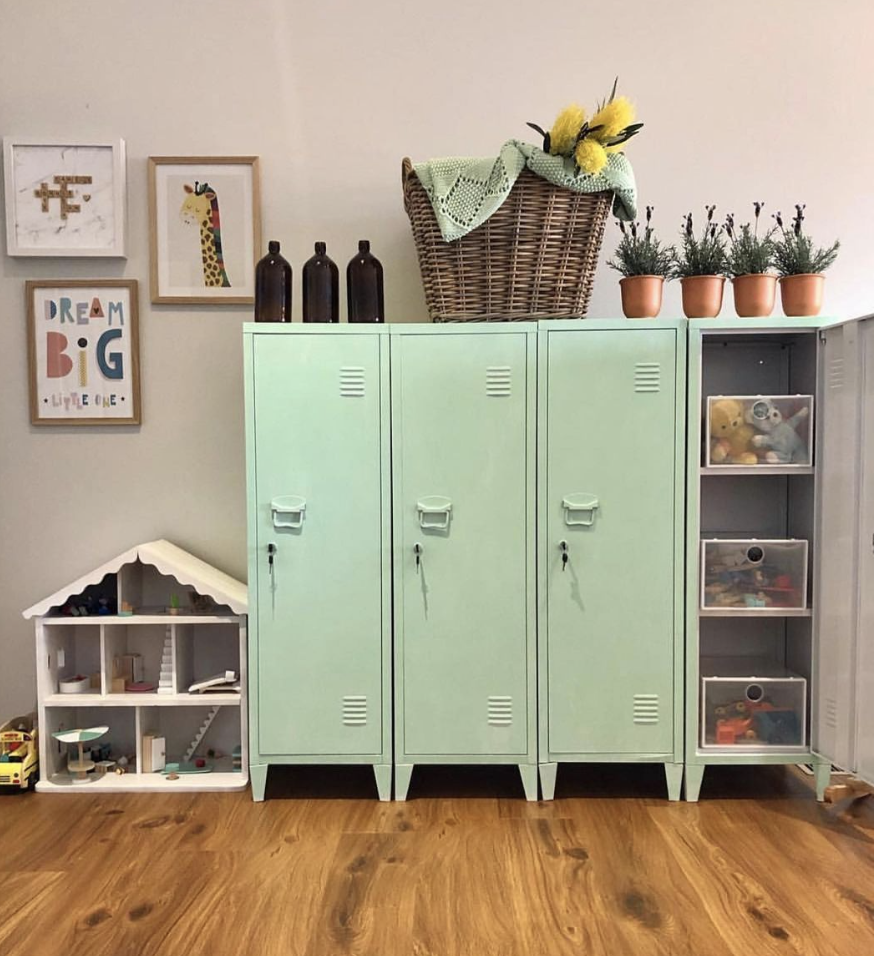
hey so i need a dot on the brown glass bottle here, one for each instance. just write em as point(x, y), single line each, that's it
point(364, 292)
point(273, 287)
point(321, 288)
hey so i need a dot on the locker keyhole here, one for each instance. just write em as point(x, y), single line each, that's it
point(562, 545)
point(417, 550)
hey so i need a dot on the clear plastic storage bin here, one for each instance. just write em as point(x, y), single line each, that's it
point(765, 709)
point(759, 430)
point(746, 574)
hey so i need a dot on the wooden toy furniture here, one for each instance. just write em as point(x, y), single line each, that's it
point(154, 616)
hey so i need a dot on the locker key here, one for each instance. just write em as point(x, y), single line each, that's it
point(564, 554)
point(417, 550)
point(271, 551)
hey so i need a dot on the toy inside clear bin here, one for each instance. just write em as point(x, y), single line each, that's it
point(756, 712)
point(759, 430)
point(749, 575)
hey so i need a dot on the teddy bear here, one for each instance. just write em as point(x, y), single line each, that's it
point(730, 436)
point(780, 438)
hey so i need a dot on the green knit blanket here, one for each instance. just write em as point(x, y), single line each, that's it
point(465, 192)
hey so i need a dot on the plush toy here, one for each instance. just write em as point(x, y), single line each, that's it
point(730, 436)
point(783, 443)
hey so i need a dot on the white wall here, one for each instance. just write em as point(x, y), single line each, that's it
point(741, 101)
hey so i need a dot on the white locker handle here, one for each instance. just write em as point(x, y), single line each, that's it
point(288, 511)
point(434, 512)
point(579, 509)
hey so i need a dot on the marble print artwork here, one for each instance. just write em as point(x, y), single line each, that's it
point(89, 222)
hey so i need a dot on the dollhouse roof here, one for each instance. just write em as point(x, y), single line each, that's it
point(169, 560)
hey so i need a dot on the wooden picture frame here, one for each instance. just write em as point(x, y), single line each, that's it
point(83, 351)
point(65, 198)
point(204, 229)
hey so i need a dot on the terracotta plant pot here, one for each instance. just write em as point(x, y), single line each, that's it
point(641, 296)
point(702, 296)
point(754, 295)
point(802, 294)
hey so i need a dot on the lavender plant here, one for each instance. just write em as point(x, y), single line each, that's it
point(748, 254)
point(639, 253)
point(794, 251)
point(702, 255)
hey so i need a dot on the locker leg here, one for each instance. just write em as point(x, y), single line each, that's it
point(693, 777)
point(528, 773)
point(822, 773)
point(548, 773)
point(382, 772)
point(258, 779)
point(674, 777)
point(403, 775)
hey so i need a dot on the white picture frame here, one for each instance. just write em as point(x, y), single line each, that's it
point(204, 229)
point(65, 197)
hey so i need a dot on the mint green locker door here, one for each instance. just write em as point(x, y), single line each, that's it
point(463, 489)
point(611, 460)
point(319, 548)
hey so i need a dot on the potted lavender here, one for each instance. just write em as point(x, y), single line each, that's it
point(700, 264)
point(801, 266)
point(644, 264)
point(750, 257)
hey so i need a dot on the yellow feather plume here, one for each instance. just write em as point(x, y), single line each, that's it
point(590, 155)
point(613, 118)
point(565, 128)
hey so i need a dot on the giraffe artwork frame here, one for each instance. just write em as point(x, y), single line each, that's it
point(65, 198)
point(205, 229)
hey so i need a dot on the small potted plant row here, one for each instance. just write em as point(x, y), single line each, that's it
point(753, 261)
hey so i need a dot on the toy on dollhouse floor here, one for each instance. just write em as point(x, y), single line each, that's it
point(749, 574)
point(759, 430)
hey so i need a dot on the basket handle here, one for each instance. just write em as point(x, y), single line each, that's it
point(406, 171)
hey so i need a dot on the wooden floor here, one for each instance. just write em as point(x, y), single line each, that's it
point(465, 867)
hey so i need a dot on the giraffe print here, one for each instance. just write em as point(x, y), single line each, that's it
point(201, 206)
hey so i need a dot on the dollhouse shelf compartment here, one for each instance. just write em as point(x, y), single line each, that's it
point(149, 699)
point(205, 633)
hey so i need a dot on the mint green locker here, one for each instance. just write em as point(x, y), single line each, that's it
point(319, 548)
point(611, 570)
point(463, 445)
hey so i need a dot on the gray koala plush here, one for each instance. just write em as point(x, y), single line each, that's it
point(779, 437)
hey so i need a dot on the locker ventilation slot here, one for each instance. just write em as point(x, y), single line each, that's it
point(646, 708)
point(500, 711)
point(498, 383)
point(355, 711)
point(831, 712)
point(836, 373)
point(647, 377)
point(352, 382)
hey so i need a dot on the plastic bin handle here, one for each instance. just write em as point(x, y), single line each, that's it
point(579, 509)
point(288, 511)
point(434, 512)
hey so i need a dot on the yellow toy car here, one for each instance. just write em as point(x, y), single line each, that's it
point(19, 753)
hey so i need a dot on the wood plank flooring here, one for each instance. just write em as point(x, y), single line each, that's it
point(465, 867)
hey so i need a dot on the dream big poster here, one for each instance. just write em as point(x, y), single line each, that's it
point(83, 352)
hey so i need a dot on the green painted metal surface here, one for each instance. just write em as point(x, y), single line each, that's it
point(318, 485)
point(463, 441)
point(611, 614)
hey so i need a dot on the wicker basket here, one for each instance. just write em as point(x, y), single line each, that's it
point(534, 258)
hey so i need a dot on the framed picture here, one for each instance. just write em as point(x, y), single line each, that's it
point(63, 198)
point(205, 225)
point(83, 352)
